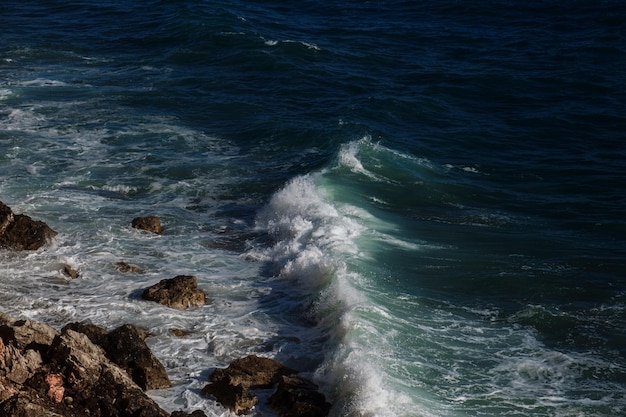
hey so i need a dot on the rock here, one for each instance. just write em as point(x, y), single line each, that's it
point(252, 372)
point(70, 272)
point(125, 267)
point(180, 292)
point(230, 386)
point(56, 390)
point(298, 397)
point(22, 406)
point(20, 232)
point(97, 334)
point(26, 334)
point(49, 374)
point(197, 413)
point(95, 383)
point(127, 348)
point(178, 332)
point(235, 397)
point(148, 223)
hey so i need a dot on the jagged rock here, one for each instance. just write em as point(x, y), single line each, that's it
point(126, 347)
point(94, 382)
point(235, 397)
point(26, 334)
point(20, 232)
point(230, 386)
point(44, 373)
point(252, 372)
point(125, 267)
point(180, 292)
point(96, 334)
point(22, 406)
point(148, 223)
point(298, 397)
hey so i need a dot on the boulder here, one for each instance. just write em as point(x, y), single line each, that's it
point(235, 397)
point(148, 223)
point(50, 374)
point(20, 232)
point(230, 386)
point(252, 372)
point(180, 292)
point(96, 384)
point(298, 397)
point(126, 347)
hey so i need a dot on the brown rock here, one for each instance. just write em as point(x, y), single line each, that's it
point(148, 223)
point(125, 267)
point(180, 292)
point(47, 374)
point(26, 333)
point(70, 272)
point(230, 385)
point(20, 232)
point(252, 372)
point(127, 348)
point(22, 406)
point(235, 397)
point(96, 334)
point(298, 397)
point(94, 383)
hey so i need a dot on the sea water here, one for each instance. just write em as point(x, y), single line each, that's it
point(419, 205)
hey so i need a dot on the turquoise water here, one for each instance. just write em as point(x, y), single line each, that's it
point(419, 205)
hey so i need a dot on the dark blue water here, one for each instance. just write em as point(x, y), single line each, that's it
point(419, 204)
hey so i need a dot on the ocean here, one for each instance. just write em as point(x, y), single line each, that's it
point(418, 204)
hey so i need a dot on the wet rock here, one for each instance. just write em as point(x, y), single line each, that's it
point(178, 332)
point(252, 372)
point(20, 232)
point(298, 397)
point(235, 397)
point(148, 223)
point(70, 272)
point(180, 292)
point(197, 413)
point(230, 386)
point(125, 267)
point(127, 348)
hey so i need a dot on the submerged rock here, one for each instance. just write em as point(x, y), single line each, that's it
point(126, 267)
point(180, 292)
point(148, 223)
point(20, 232)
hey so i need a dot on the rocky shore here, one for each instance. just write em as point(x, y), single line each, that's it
point(86, 370)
